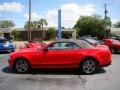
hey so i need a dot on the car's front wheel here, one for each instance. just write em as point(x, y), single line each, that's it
point(22, 66)
point(89, 66)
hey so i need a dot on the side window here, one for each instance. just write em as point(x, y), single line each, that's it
point(75, 46)
point(63, 46)
point(55, 46)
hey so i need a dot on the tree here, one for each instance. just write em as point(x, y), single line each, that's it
point(63, 27)
point(117, 25)
point(43, 22)
point(66, 35)
point(6, 24)
point(51, 33)
point(15, 33)
point(107, 21)
point(107, 25)
point(90, 25)
point(34, 25)
point(27, 25)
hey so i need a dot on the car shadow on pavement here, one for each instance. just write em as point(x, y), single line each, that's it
point(54, 71)
point(7, 70)
point(63, 71)
point(117, 53)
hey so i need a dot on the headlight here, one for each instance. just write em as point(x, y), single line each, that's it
point(6, 45)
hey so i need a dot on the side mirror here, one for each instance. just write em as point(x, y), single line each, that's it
point(45, 49)
point(38, 48)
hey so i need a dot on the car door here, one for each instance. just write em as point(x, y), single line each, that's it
point(56, 54)
point(60, 53)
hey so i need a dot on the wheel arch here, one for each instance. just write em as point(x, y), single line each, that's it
point(18, 58)
point(89, 57)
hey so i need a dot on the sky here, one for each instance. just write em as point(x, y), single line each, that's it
point(17, 10)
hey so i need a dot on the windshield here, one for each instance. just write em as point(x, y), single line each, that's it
point(115, 41)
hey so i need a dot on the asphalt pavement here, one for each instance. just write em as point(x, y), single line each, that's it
point(104, 79)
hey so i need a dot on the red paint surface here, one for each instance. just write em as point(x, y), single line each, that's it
point(61, 58)
point(109, 42)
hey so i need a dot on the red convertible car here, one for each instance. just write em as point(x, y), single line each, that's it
point(70, 53)
point(114, 45)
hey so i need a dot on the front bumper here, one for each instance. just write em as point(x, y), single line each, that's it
point(10, 63)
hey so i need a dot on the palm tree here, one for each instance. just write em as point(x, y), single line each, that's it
point(43, 22)
point(35, 25)
point(27, 25)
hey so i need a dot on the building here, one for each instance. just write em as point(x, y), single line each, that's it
point(35, 34)
point(5, 32)
point(115, 31)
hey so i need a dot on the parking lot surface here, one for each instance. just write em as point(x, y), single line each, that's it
point(104, 79)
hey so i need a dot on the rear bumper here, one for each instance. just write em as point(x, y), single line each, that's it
point(105, 65)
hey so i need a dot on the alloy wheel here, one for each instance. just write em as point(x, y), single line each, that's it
point(89, 66)
point(22, 66)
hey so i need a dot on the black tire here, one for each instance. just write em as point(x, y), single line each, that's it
point(112, 50)
point(89, 66)
point(22, 66)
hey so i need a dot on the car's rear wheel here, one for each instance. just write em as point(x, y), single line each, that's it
point(22, 66)
point(89, 66)
point(112, 50)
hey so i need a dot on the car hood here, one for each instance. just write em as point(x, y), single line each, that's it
point(26, 50)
